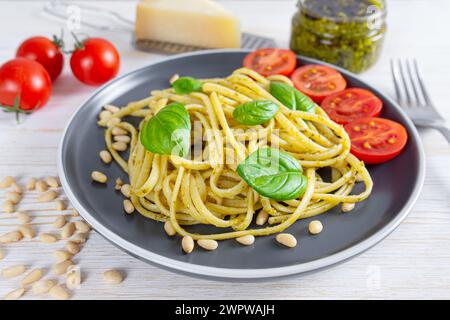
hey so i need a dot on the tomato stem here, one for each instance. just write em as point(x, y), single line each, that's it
point(16, 108)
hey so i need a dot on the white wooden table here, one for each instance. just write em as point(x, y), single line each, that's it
point(413, 262)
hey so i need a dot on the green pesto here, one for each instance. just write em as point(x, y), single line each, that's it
point(341, 32)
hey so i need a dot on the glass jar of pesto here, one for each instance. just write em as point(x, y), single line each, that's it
point(348, 33)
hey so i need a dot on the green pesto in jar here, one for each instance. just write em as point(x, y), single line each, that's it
point(348, 33)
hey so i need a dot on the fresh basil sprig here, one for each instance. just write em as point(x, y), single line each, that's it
point(291, 97)
point(185, 85)
point(168, 131)
point(273, 174)
point(255, 112)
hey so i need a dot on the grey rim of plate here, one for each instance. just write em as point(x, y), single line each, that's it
point(229, 273)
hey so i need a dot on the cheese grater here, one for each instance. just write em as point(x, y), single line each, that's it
point(62, 10)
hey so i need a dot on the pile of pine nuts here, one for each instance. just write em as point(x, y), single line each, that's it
point(66, 227)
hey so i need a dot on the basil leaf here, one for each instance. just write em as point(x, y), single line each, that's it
point(255, 112)
point(168, 131)
point(291, 97)
point(273, 174)
point(185, 85)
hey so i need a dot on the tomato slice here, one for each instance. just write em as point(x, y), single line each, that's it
point(317, 81)
point(376, 140)
point(270, 61)
point(351, 104)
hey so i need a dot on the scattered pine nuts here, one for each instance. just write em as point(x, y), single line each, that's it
point(72, 247)
point(41, 186)
point(347, 207)
point(6, 182)
point(125, 189)
point(48, 196)
point(82, 226)
point(105, 156)
point(286, 239)
point(262, 217)
point(75, 213)
point(128, 206)
point(68, 230)
point(187, 243)
point(119, 184)
point(27, 231)
point(52, 182)
point(14, 197)
point(111, 108)
point(60, 205)
point(315, 227)
point(119, 146)
point(16, 188)
point(116, 131)
point(114, 121)
point(23, 217)
point(13, 271)
point(73, 278)
point(246, 240)
point(15, 294)
point(62, 255)
point(10, 237)
point(99, 177)
point(125, 139)
point(105, 115)
point(61, 267)
point(60, 221)
point(31, 184)
point(32, 277)
point(208, 244)
point(8, 206)
point(169, 228)
point(59, 292)
point(113, 276)
point(79, 238)
point(48, 238)
point(42, 286)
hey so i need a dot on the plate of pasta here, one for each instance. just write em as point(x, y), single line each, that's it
point(206, 167)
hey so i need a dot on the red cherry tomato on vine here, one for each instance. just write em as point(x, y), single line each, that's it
point(95, 61)
point(25, 81)
point(44, 51)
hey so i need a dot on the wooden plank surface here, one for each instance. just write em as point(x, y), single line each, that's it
point(413, 262)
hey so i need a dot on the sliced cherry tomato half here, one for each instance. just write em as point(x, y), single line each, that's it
point(351, 104)
point(376, 140)
point(317, 81)
point(270, 61)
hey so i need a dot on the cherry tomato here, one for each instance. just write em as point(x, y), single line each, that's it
point(27, 80)
point(376, 140)
point(351, 104)
point(269, 61)
point(317, 81)
point(44, 51)
point(95, 61)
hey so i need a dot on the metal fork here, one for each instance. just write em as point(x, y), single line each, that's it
point(414, 98)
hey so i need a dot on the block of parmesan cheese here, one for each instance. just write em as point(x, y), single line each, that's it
point(201, 23)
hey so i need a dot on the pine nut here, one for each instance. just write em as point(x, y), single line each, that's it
point(187, 243)
point(125, 139)
point(113, 276)
point(114, 121)
point(2, 254)
point(119, 184)
point(128, 206)
point(262, 217)
point(61, 267)
point(15, 294)
point(105, 156)
point(23, 217)
point(48, 196)
point(174, 78)
point(60, 221)
point(59, 293)
point(42, 287)
point(60, 205)
point(75, 213)
point(73, 278)
point(111, 108)
point(13, 271)
point(246, 240)
point(31, 184)
point(315, 227)
point(52, 182)
point(48, 238)
point(116, 131)
point(68, 230)
point(126, 190)
point(32, 277)
point(12, 236)
point(347, 207)
point(286, 239)
point(169, 229)
point(119, 146)
point(82, 226)
point(6, 182)
point(359, 178)
point(14, 197)
point(17, 188)
point(208, 244)
point(62, 255)
point(8, 206)
point(79, 238)
point(27, 231)
point(105, 115)
point(72, 247)
point(99, 177)
point(41, 186)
